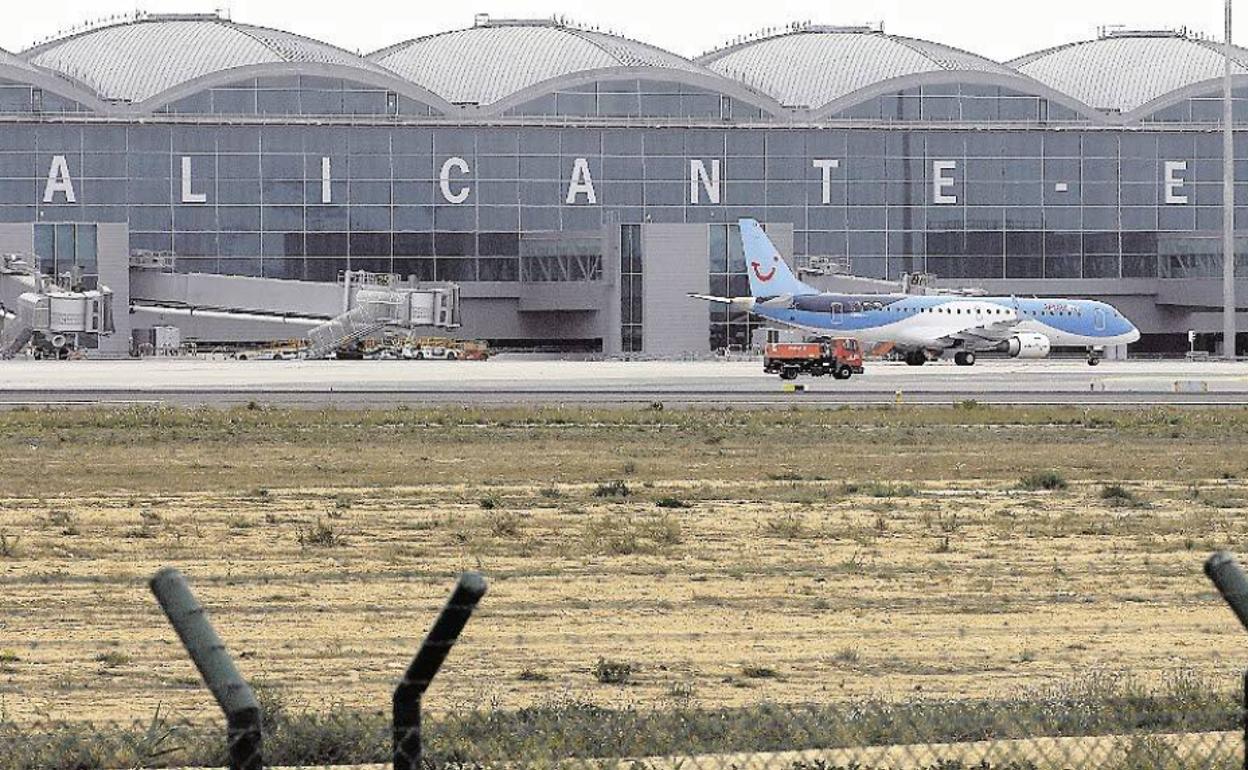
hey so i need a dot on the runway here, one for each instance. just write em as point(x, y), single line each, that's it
point(526, 380)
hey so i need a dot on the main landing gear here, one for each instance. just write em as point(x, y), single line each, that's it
point(964, 358)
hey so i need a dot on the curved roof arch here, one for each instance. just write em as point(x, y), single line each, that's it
point(1211, 87)
point(501, 59)
point(944, 77)
point(813, 67)
point(703, 80)
point(18, 70)
point(1121, 72)
point(384, 80)
point(136, 61)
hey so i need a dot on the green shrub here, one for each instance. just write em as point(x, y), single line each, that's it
point(613, 672)
point(9, 545)
point(1117, 494)
point(615, 488)
point(505, 524)
point(787, 527)
point(112, 659)
point(1047, 480)
point(320, 535)
point(342, 502)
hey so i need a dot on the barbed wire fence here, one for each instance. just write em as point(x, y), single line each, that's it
point(1186, 726)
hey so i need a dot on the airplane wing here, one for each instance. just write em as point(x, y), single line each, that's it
point(712, 298)
point(983, 334)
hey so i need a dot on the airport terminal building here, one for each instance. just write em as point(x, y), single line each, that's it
point(577, 184)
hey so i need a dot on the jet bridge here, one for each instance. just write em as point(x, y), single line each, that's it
point(224, 308)
point(53, 316)
point(58, 315)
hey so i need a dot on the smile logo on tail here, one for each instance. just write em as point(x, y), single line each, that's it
point(758, 271)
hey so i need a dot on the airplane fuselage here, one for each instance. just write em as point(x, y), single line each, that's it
point(914, 321)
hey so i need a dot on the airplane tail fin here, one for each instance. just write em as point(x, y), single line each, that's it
point(769, 275)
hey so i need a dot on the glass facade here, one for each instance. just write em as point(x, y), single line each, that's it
point(23, 98)
point(637, 99)
point(467, 203)
point(632, 305)
point(298, 95)
point(960, 102)
point(730, 328)
point(63, 247)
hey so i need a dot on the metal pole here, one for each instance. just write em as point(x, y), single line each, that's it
point(1228, 203)
point(1231, 582)
point(1244, 719)
point(446, 629)
point(234, 696)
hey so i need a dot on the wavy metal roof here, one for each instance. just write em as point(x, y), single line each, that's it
point(1122, 71)
point(813, 66)
point(500, 62)
point(135, 61)
point(496, 59)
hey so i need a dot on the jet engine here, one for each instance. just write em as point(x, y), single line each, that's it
point(1026, 346)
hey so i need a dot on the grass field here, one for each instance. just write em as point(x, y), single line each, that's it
point(638, 559)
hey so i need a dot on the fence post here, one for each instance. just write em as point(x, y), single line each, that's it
point(234, 696)
point(408, 745)
point(1232, 583)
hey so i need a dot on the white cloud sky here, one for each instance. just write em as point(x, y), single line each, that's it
point(994, 28)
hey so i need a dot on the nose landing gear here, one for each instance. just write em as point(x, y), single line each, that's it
point(1095, 355)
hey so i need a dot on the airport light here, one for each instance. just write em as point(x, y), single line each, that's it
point(1228, 203)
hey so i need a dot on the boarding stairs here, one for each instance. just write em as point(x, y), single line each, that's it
point(14, 334)
point(373, 312)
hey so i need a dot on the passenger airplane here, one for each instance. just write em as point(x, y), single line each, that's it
point(925, 326)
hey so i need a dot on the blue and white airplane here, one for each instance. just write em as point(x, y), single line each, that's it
point(923, 327)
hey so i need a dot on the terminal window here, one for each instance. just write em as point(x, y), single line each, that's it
point(630, 289)
point(62, 247)
point(730, 328)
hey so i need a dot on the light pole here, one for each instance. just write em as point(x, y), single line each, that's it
point(1228, 204)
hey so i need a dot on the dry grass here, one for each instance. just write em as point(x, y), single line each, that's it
point(902, 558)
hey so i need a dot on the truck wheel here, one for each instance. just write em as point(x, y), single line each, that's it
point(843, 372)
point(964, 358)
point(916, 358)
point(788, 373)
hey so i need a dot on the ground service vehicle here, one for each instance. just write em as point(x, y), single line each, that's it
point(841, 358)
point(444, 349)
